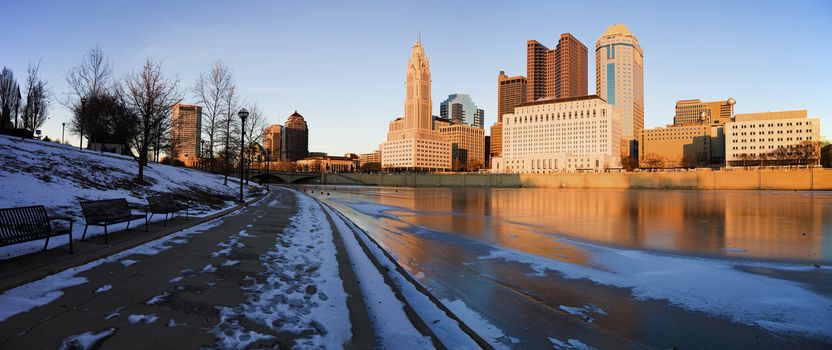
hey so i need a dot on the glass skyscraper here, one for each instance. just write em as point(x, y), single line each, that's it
point(460, 109)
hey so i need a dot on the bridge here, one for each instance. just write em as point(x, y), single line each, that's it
point(283, 177)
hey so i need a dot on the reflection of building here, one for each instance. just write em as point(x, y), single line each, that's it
point(579, 133)
point(486, 151)
point(412, 142)
point(329, 164)
point(460, 109)
point(558, 73)
point(619, 75)
point(294, 139)
point(776, 137)
point(370, 162)
point(185, 133)
point(698, 112)
point(467, 150)
point(271, 141)
point(682, 146)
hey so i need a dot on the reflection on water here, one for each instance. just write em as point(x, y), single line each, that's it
point(749, 224)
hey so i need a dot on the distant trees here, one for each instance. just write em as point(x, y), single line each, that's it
point(36, 106)
point(211, 90)
point(804, 153)
point(653, 161)
point(149, 96)
point(230, 128)
point(87, 81)
point(9, 98)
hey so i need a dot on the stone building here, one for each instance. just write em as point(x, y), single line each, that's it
point(294, 138)
point(271, 141)
point(772, 138)
point(186, 133)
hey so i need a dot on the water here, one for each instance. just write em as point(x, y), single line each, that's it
point(614, 268)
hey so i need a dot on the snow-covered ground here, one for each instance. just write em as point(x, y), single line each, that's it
point(58, 176)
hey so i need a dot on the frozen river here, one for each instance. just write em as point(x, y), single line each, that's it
point(550, 268)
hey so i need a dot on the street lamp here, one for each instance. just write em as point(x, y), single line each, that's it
point(63, 125)
point(243, 113)
point(83, 104)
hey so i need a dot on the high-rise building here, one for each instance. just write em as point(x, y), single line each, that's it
point(412, 142)
point(186, 133)
point(294, 138)
point(511, 92)
point(271, 141)
point(460, 109)
point(619, 76)
point(556, 135)
point(698, 112)
point(467, 150)
point(772, 138)
point(558, 73)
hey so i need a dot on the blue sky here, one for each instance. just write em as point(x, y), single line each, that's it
point(341, 64)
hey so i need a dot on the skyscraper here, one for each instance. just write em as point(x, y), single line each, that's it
point(271, 141)
point(619, 75)
point(412, 142)
point(460, 109)
point(511, 92)
point(185, 133)
point(294, 139)
point(558, 73)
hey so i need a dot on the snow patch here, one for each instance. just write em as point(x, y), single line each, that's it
point(147, 319)
point(86, 340)
point(157, 299)
point(103, 288)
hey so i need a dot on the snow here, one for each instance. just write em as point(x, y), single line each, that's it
point(584, 311)
point(485, 329)
point(300, 292)
point(571, 344)
point(128, 262)
point(157, 299)
point(713, 286)
point(114, 313)
point(86, 340)
point(103, 288)
point(58, 176)
point(147, 319)
point(44, 291)
point(442, 325)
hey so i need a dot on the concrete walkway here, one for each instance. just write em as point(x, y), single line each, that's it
point(173, 297)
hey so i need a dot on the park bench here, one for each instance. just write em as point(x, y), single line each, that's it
point(24, 224)
point(165, 204)
point(107, 212)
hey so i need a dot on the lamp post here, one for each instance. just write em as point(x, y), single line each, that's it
point(243, 113)
point(83, 105)
point(63, 126)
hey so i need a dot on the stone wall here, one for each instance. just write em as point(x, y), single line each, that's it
point(768, 179)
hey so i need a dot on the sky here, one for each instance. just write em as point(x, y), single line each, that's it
point(341, 64)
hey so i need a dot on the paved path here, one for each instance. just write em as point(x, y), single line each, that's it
point(178, 296)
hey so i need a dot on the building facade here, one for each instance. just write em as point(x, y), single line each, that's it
point(690, 145)
point(619, 75)
point(772, 138)
point(698, 112)
point(271, 141)
point(412, 142)
point(186, 133)
point(461, 109)
point(511, 92)
point(558, 73)
point(294, 138)
point(467, 146)
point(560, 135)
point(329, 164)
point(370, 162)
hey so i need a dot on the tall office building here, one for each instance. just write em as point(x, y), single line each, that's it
point(698, 112)
point(271, 141)
point(294, 138)
point(467, 150)
point(511, 92)
point(461, 109)
point(558, 73)
point(619, 75)
point(186, 133)
point(412, 141)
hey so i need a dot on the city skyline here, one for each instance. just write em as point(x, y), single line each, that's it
point(268, 60)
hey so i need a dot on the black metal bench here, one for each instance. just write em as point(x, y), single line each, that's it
point(24, 224)
point(165, 204)
point(107, 212)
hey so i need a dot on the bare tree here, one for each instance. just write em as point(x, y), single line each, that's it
point(808, 152)
point(653, 161)
point(149, 96)
point(9, 97)
point(255, 126)
point(231, 128)
point(36, 108)
point(210, 90)
point(87, 80)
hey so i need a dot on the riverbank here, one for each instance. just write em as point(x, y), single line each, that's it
point(735, 179)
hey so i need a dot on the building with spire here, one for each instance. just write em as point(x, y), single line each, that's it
point(413, 144)
point(619, 79)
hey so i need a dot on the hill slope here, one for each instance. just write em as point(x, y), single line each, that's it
point(58, 176)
